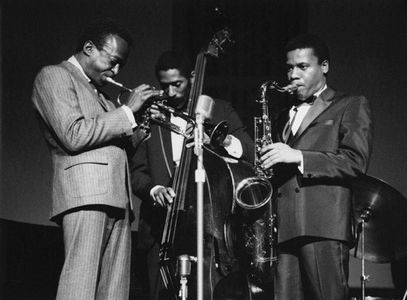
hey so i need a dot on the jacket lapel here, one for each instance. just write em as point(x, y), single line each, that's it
point(80, 78)
point(320, 104)
point(281, 123)
point(104, 102)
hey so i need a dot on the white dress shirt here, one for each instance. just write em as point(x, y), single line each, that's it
point(297, 114)
point(126, 109)
point(177, 141)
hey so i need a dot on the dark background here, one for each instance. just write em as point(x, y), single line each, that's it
point(368, 41)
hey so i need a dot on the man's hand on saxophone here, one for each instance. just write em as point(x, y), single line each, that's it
point(279, 153)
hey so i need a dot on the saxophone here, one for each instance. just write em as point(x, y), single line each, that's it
point(259, 228)
point(262, 125)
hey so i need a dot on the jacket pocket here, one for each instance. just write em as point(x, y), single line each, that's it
point(86, 179)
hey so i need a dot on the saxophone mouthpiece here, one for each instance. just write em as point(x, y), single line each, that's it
point(291, 88)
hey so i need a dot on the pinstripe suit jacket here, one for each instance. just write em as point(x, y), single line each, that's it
point(86, 135)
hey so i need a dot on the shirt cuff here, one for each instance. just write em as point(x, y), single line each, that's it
point(235, 148)
point(130, 116)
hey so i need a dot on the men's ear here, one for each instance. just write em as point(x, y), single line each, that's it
point(325, 66)
point(192, 78)
point(88, 48)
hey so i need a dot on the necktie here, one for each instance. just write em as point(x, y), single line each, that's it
point(287, 128)
point(310, 100)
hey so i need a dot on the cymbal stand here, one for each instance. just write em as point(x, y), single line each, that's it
point(365, 216)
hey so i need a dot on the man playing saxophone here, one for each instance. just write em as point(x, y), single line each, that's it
point(320, 144)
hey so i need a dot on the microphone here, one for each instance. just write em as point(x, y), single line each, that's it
point(183, 270)
point(204, 107)
point(184, 263)
point(203, 110)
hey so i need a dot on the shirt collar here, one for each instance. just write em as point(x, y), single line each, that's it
point(76, 63)
point(310, 100)
point(320, 91)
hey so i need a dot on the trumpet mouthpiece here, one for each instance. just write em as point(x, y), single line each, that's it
point(114, 82)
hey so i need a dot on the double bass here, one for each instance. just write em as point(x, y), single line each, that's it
point(223, 277)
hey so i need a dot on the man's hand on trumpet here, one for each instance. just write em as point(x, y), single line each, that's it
point(141, 94)
point(156, 113)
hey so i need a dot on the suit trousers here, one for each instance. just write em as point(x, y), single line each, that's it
point(97, 242)
point(312, 269)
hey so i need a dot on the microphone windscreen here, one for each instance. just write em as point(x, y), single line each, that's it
point(204, 106)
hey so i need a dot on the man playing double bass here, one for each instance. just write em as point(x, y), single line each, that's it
point(153, 166)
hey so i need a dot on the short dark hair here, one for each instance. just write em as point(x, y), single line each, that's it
point(99, 30)
point(174, 60)
point(308, 40)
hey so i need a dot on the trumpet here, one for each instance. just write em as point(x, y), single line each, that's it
point(162, 96)
point(216, 132)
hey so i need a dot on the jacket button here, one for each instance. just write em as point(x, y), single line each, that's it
point(279, 195)
point(309, 175)
point(297, 190)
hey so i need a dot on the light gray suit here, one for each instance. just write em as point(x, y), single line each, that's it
point(87, 135)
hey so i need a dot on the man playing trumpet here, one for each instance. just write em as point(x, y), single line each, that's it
point(87, 135)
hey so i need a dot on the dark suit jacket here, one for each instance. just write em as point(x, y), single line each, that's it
point(153, 165)
point(335, 138)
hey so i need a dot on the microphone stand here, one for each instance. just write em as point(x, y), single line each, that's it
point(199, 179)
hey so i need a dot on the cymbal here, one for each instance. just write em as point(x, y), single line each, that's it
point(384, 211)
